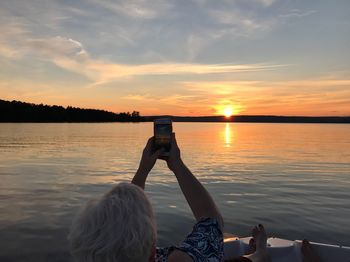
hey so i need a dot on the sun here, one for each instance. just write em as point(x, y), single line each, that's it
point(228, 111)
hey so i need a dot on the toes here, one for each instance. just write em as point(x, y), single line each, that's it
point(258, 229)
point(308, 253)
point(252, 243)
point(255, 231)
point(251, 247)
point(306, 243)
point(305, 246)
point(262, 229)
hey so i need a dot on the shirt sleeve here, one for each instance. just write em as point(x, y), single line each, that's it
point(204, 243)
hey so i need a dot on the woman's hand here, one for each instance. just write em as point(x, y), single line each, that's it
point(149, 156)
point(148, 159)
point(174, 159)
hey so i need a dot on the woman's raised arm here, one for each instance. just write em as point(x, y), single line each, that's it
point(148, 159)
point(198, 198)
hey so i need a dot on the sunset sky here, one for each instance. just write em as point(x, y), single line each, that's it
point(195, 57)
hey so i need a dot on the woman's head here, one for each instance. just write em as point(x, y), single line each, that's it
point(118, 227)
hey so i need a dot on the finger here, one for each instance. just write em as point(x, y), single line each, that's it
point(149, 143)
point(173, 140)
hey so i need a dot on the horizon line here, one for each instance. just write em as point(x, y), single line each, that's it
point(196, 116)
point(268, 115)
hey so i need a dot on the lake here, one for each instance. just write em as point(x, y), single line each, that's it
point(293, 178)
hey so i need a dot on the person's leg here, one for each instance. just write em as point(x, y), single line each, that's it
point(309, 255)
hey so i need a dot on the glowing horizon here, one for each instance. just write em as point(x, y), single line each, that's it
point(255, 57)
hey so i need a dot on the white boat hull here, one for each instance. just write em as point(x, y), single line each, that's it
point(281, 250)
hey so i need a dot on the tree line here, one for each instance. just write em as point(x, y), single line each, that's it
point(16, 111)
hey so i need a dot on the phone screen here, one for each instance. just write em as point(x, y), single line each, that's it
point(162, 135)
point(163, 130)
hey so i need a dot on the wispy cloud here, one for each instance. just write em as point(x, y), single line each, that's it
point(298, 13)
point(266, 2)
point(57, 47)
point(224, 88)
point(71, 55)
point(12, 32)
point(269, 97)
point(137, 9)
point(240, 22)
point(108, 72)
point(135, 29)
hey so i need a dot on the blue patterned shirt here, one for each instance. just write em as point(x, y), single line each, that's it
point(204, 243)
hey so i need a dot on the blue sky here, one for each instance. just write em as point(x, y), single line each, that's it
point(179, 57)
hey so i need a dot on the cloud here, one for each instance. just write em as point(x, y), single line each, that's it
point(140, 31)
point(319, 96)
point(71, 55)
point(12, 32)
point(297, 13)
point(136, 9)
point(57, 47)
point(239, 23)
point(135, 97)
point(266, 2)
point(312, 96)
point(8, 51)
point(232, 20)
point(224, 88)
point(177, 31)
point(108, 71)
point(177, 99)
point(220, 88)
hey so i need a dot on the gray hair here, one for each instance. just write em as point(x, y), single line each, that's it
point(118, 227)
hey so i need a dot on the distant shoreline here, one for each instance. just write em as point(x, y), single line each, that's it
point(21, 112)
point(259, 119)
point(220, 119)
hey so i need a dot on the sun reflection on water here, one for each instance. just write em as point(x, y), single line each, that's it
point(228, 135)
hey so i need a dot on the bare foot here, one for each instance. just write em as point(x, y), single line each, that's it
point(251, 247)
point(260, 239)
point(309, 254)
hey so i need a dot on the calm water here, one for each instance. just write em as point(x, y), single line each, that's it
point(294, 178)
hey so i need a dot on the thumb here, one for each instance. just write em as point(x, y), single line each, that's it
point(158, 153)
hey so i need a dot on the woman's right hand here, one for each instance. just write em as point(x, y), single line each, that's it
point(174, 159)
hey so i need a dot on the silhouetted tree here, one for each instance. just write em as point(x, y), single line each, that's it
point(17, 111)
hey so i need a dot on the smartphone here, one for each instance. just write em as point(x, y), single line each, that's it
point(163, 129)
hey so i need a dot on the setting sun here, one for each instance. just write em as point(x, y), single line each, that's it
point(228, 111)
point(228, 108)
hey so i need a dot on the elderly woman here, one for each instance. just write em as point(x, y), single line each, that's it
point(121, 225)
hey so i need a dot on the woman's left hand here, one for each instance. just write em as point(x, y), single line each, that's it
point(149, 156)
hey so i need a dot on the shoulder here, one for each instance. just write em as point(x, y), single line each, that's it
point(178, 255)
